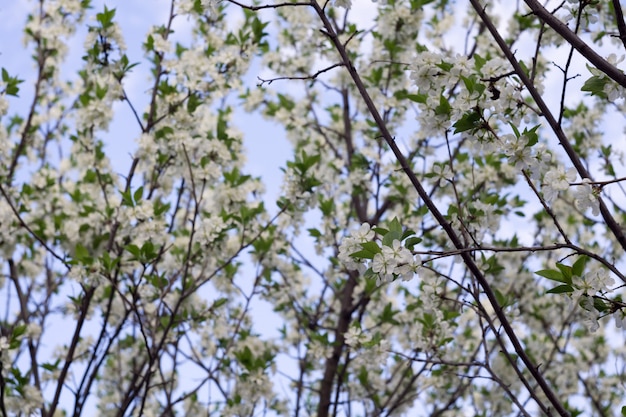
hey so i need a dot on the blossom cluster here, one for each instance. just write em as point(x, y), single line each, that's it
point(386, 263)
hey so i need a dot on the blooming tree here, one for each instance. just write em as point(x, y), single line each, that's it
point(448, 238)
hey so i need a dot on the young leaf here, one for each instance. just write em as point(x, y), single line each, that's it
point(579, 266)
point(395, 226)
point(551, 274)
point(566, 270)
point(560, 289)
point(371, 247)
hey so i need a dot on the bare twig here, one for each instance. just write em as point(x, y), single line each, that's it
point(268, 6)
point(302, 77)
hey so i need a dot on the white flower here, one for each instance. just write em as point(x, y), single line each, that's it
point(364, 234)
point(599, 281)
point(395, 260)
point(351, 244)
point(613, 91)
point(409, 268)
point(591, 322)
point(620, 319)
point(353, 336)
point(614, 60)
point(584, 197)
point(4, 104)
point(442, 172)
point(591, 315)
point(161, 45)
point(519, 154)
point(4, 344)
point(489, 219)
point(384, 265)
point(556, 180)
point(210, 228)
point(187, 6)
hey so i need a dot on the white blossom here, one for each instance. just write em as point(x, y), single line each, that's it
point(585, 197)
point(556, 180)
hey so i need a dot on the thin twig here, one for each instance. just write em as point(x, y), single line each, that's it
point(302, 77)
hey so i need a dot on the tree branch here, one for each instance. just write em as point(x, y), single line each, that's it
point(564, 31)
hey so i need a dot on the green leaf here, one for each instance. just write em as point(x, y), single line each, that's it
point(160, 207)
point(418, 98)
point(560, 289)
point(595, 86)
point(407, 233)
point(106, 18)
point(11, 83)
point(515, 130)
point(600, 305)
point(374, 341)
point(327, 206)
point(567, 272)
point(395, 226)
point(157, 281)
point(371, 247)
point(524, 67)
point(470, 121)
point(502, 299)
point(579, 266)
point(551, 274)
point(479, 61)
point(389, 238)
point(388, 314)
point(19, 330)
point(411, 242)
point(127, 199)
point(222, 126)
point(363, 254)
point(193, 102)
point(138, 194)
point(133, 250)
point(219, 302)
point(446, 66)
point(81, 253)
point(469, 82)
point(148, 251)
point(532, 135)
point(109, 263)
point(444, 106)
point(51, 366)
